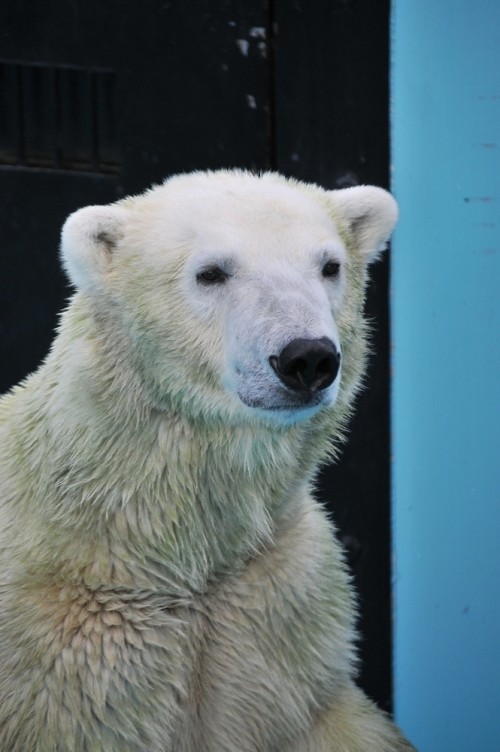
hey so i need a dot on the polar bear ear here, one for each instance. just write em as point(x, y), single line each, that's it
point(369, 215)
point(88, 240)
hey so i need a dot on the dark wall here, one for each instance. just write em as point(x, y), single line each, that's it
point(98, 100)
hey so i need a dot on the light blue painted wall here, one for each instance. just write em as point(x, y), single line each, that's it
point(446, 328)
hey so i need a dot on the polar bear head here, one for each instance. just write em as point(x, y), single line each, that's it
point(233, 296)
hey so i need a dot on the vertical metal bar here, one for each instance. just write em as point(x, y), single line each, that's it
point(94, 121)
point(57, 119)
point(20, 112)
point(9, 114)
point(271, 62)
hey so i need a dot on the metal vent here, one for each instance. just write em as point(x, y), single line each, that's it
point(58, 118)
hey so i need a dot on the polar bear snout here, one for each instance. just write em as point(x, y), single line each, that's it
point(307, 365)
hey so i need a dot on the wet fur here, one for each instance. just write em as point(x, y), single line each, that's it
point(167, 580)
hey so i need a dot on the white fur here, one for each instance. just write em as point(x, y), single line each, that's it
point(167, 581)
point(370, 214)
point(273, 241)
point(88, 240)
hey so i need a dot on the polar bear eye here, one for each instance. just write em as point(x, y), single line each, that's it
point(331, 269)
point(212, 275)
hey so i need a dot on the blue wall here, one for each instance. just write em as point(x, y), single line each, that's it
point(446, 327)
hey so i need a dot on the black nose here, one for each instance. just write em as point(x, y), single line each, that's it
point(307, 365)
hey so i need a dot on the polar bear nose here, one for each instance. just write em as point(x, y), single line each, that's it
point(307, 365)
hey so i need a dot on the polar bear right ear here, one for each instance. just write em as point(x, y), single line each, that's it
point(369, 214)
point(88, 240)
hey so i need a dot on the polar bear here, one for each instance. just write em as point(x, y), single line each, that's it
point(167, 581)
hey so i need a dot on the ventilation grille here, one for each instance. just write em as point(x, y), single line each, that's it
point(58, 118)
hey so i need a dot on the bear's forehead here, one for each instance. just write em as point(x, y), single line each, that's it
point(245, 195)
point(238, 215)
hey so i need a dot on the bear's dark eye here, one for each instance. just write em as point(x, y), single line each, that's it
point(331, 269)
point(212, 275)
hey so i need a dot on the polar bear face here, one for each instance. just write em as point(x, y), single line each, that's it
point(236, 296)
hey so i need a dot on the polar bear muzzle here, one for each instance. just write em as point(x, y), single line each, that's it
point(307, 365)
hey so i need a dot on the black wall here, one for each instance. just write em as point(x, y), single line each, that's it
point(100, 99)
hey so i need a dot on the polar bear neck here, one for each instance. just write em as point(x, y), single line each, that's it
point(149, 491)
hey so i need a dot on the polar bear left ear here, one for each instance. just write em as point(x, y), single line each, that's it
point(369, 215)
point(88, 241)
